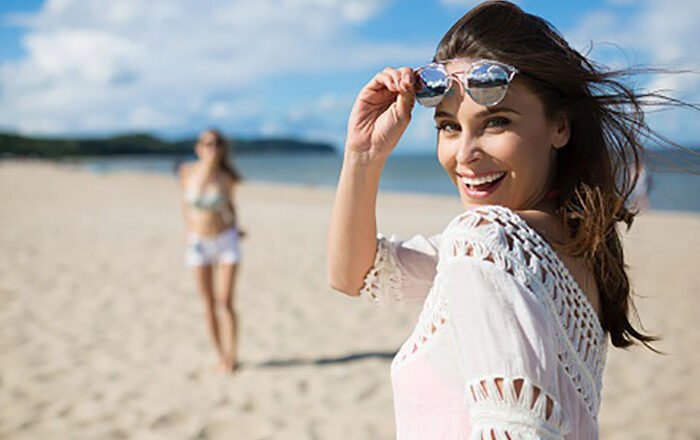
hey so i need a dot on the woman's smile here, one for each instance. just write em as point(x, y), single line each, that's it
point(479, 186)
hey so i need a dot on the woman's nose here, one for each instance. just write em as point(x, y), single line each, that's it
point(468, 151)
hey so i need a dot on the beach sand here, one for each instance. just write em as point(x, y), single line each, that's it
point(102, 334)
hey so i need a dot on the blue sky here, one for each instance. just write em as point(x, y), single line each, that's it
point(280, 67)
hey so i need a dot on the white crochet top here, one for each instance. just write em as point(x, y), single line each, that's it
point(500, 308)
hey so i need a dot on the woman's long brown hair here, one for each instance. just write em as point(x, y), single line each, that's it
point(597, 170)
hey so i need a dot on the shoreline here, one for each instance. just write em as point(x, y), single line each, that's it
point(76, 165)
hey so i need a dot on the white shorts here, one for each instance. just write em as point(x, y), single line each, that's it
point(222, 248)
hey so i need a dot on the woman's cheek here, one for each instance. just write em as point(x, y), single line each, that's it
point(446, 156)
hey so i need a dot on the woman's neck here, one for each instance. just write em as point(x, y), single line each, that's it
point(207, 170)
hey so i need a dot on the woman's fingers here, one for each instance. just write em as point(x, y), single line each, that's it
point(402, 78)
point(394, 80)
point(400, 83)
point(395, 77)
point(383, 80)
point(405, 103)
point(381, 111)
point(406, 79)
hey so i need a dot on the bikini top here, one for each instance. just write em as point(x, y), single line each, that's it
point(206, 199)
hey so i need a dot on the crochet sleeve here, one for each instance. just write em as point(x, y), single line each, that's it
point(402, 270)
point(503, 335)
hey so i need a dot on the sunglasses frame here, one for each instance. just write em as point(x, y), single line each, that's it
point(463, 78)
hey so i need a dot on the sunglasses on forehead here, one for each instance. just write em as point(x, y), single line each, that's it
point(485, 81)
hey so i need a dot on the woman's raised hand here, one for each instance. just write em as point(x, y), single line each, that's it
point(379, 117)
point(381, 113)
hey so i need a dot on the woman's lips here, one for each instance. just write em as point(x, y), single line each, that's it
point(482, 186)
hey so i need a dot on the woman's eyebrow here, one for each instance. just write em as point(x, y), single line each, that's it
point(442, 114)
point(482, 114)
point(491, 110)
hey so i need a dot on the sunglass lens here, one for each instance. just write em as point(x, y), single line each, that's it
point(487, 84)
point(431, 85)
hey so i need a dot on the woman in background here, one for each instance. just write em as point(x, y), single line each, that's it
point(212, 236)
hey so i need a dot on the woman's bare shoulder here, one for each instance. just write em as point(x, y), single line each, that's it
point(183, 171)
point(186, 167)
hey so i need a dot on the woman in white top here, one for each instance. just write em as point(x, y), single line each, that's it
point(523, 290)
point(212, 237)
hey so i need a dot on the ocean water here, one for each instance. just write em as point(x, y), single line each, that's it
point(674, 187)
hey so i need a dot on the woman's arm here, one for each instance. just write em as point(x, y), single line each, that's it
point(352, 241)
point(378, 119)
point(182, 173)
point(231, 205)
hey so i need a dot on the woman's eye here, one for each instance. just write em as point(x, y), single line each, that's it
point(448, 127)
point(497, 122)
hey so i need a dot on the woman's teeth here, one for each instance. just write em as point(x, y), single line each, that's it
point(476, 181)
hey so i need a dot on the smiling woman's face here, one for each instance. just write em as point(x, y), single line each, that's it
point(500, 155)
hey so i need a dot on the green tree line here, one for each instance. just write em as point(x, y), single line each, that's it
point(141, 144)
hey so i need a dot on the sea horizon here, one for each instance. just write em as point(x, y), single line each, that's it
point(675, 185)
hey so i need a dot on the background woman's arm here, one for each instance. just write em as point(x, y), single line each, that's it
point(182, 172)
point(233, 219)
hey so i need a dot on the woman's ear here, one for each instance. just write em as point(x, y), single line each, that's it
point(562, 130)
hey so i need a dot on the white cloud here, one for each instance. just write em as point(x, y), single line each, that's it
point(667, 31)
point(145, 117)
point(272, 129)
point(662, 34)
point(324, 105)
point(96, 65)
point(219, 110)
point(323, 118)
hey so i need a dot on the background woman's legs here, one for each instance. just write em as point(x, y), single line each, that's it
point(204, 276)
point(227, 312)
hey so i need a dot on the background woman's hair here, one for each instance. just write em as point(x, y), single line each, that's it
point(599, 167)
point(224, 147)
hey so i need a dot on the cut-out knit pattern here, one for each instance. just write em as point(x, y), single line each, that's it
point(383, 281)
point(519, 411)
point(499, 236)
point(431, 320)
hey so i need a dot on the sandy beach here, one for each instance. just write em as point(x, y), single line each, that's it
point(102, 334)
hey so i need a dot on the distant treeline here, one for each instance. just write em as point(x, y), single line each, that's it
point(142, 144)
